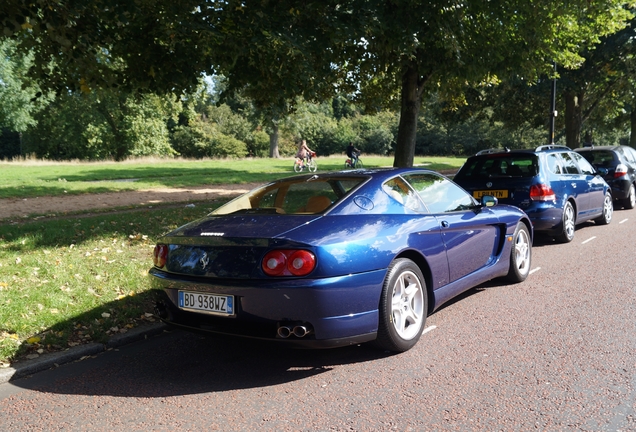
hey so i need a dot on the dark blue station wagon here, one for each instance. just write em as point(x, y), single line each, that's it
point(555, 186)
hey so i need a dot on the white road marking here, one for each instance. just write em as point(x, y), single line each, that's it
point(588, 240)
point(624, 220)
point(534, 270)
point(429, 328)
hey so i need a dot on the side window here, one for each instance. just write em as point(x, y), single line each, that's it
point(569, 165)
point(439, 194)
point(630, 155)
point(268, 200)
point(584, 165)
point(554, 164)
point(400, 191)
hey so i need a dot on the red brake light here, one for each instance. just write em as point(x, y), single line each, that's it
point(620, 171)
point(274, 263)
point(160, 255)
point(288, 262)
point(542, 192)
point(301, 263)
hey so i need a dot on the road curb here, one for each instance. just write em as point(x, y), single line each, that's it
point(47, 361)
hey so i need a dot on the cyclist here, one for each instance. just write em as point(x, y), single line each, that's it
point(353, 153)
point(303, 151)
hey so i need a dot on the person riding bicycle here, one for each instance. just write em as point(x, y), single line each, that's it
point(303, 152)
point(353, 153)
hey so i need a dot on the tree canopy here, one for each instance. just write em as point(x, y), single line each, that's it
point(16, 92)
point(383, 51)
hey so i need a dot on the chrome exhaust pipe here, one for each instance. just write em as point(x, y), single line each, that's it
point(284, 332)
point(300, 331)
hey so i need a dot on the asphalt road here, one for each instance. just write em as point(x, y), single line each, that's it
point(557, 352)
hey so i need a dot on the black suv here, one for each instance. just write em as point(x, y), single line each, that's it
point(620, 163)
point(554, 185)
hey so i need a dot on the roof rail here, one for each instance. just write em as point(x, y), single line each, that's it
point(552, 146)
point(492, 150)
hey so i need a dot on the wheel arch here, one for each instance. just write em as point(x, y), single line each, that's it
point(529, 226)
point(572, 201)
point(421, 262)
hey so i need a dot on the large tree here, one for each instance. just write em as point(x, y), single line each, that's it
point(602, 87)
point(279, 49)
point(443, 45)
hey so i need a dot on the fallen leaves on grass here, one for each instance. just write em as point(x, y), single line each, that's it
point(33, 340)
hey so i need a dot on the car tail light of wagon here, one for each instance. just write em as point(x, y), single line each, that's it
point(288, 262)
point(542, 192)
point(620, 171)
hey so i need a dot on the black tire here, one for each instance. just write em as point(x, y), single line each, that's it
point(630, 202)
point(568, 223)
point(608, 210)
point(403, 307)
point(520, 255)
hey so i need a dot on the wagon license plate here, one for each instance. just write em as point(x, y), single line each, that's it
point(497, 193)
point(210, 303)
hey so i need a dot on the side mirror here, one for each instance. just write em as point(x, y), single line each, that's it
point(489, 201)
point(602, 171)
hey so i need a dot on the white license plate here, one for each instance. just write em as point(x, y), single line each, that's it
point(211, 303)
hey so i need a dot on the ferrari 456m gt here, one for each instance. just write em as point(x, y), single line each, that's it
point(340, 258)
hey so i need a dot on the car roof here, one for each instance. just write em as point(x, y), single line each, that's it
point(548, 148)
point(592, 148)
point(376, 173)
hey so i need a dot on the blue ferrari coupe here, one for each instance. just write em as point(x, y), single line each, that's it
point(340, 258)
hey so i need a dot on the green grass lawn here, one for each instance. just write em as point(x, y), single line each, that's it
point(32, 179)
point(77, 280)
point(81, 279)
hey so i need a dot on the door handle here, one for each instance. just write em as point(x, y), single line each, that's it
point(445, 224)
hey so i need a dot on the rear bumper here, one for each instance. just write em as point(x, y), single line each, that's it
point(620, 189)
point(198, 327)
point(337, 311)
point(545, 218)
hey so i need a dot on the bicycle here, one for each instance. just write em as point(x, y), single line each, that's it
point(310, 163)
point(350, 164)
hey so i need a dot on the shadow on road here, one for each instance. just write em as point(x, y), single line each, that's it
point(180, 363)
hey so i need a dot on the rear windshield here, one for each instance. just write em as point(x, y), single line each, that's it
point(599, 158)
point(310, 195)
point(497, 165)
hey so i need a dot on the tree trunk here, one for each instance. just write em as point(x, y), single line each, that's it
point(573, 118)
point(632, 132)
point(409, 112)
point(119, 150)
point(273, 141)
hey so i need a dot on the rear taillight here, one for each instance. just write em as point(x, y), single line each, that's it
point(620, 171)
point(160, 255)
point(288, 262)
point(542, 192)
